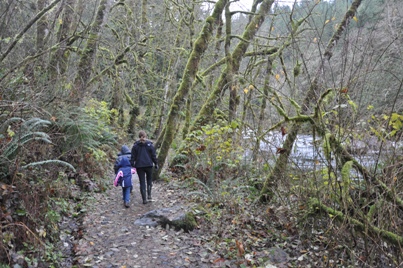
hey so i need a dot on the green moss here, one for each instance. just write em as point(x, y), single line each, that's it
point(187, 223)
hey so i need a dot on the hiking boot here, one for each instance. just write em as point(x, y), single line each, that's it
point(145, 202)
point(149, 198)
point(127, 204)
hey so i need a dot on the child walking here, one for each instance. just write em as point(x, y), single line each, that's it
point(124, 178)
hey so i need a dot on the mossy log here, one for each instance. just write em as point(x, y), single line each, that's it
point(367, 229)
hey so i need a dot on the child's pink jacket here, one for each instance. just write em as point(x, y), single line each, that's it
point(120, 174)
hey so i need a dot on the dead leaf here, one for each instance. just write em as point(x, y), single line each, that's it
point(241, 250)
point(201, 148)
point(280, 150)
point(219, 260)
point(283, 131)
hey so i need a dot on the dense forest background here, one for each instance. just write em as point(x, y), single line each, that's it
point(231, 95)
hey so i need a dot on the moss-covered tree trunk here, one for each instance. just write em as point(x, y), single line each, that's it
point(59, 59)
point(207, 109)
point(230, 71)
point(192, 66)
point(309, 100)
point(262, 108)
point(144, 14)
point(85, 65)
point(362, 226)
point(41, 27)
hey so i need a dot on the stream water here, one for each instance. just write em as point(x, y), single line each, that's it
point(307, 153)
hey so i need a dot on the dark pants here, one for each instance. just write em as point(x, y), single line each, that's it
point(145, 175)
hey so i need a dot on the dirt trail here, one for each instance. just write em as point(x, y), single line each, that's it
point(110, 238)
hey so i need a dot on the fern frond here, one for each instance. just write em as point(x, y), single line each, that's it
point(8, 122)
point(82, 131)
point(197, 193)
point(206, 188)
point(12, 148)
point(35, 123)
point(63, 163)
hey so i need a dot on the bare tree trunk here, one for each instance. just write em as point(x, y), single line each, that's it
point(88, 56)
point(310, 98)
point(189, 75)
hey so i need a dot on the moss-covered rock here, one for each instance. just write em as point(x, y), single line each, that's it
point(187, 222)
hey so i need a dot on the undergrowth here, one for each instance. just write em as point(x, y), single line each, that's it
point(324, 217)
point(45, 166)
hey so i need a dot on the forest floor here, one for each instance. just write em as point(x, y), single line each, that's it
point(109, 238)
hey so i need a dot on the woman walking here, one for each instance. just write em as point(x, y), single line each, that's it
point(143, 159)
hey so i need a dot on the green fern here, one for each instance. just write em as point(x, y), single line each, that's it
point(26, 133)
point(83, 131)
point(220, 192)
point(4, 126)
point(29, 131)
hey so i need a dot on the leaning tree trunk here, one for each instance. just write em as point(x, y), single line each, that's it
point(310, 98)
point(207, 110)
point(86, 61)
point(199, 47)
